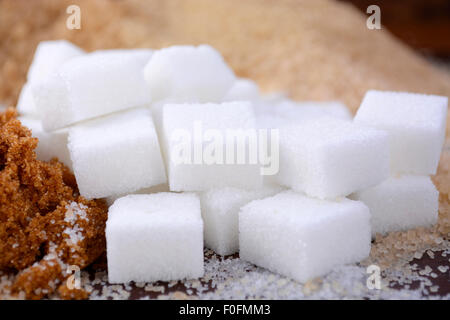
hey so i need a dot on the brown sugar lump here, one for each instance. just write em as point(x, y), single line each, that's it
point(44, 224)
point(72, 236)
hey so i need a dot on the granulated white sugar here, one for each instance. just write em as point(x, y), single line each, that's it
point(74, 212)
point(232, 278)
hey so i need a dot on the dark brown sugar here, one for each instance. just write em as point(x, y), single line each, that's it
point(46, 227)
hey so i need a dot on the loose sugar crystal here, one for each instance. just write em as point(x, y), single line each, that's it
point(154, 237)
point(203, 145)
point(51, 144)
point(220, 208)
point(188, 74)
point(49, 56)
point(332, 158)
point(303, 237)
point(401, 203)
point(416, 127)
point(90, 86)
point(116, 154)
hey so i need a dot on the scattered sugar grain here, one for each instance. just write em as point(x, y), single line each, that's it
point(443, 269)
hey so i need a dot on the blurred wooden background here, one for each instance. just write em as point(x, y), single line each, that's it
point(423, 24)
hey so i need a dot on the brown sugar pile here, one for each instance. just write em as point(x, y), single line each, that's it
point(45, 226)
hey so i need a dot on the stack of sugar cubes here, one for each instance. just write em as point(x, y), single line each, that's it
point(416, 127)
point(187, 155)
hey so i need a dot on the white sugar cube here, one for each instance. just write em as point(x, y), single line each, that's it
point(203, 145)
point(267, 102)
point(401, 203)
point(220, 208)
point(154, 237)
point(25, 103)
point(90, 86)
point(116, 154)
point(416, 127)
point(243, 90)
point(154, 189)
point(270, 121)
point(285, 112)
point(297, 111)
point(49, 56)
point(302, 237)
point(157, 114)
point(188, 74)
point(51, 144)
point(140, 53)
point(332, 158)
